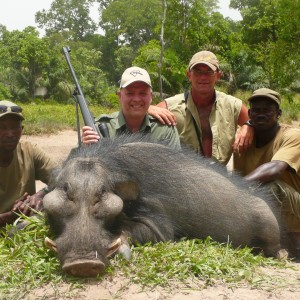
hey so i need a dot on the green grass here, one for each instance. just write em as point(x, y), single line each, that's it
point(26, 263)
point(49, 118)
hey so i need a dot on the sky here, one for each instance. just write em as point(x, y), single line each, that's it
point(18, 14)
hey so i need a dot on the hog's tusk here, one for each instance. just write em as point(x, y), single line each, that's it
point(114, 247)
point(50, 244)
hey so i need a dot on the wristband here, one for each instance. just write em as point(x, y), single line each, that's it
point(248, 123)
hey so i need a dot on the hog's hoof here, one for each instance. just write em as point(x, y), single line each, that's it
point(84, 268)
point(282, 254)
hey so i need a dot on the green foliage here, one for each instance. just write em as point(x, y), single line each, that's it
point(4, 92)
point(260, 50)
point(112, 101)
point(173, 70)
point(290, 106)
point(24, 59)
point(131, 22)
point(271, 31)
point(71, 16)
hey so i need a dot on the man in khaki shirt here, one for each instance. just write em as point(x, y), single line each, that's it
point(21, 163)
point(207, 119)
point(274, 157)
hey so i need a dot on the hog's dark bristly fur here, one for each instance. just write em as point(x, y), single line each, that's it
point(131, 186)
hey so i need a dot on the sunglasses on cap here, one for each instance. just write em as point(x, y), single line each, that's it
point(15, 109)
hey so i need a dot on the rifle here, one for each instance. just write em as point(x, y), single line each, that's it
point(81, 101)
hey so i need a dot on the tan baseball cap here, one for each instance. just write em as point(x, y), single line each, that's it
point(204, 57)
point(266, 93)
point(10, 108)
point(134, 74)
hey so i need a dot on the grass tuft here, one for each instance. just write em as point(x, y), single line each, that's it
point(188, 260)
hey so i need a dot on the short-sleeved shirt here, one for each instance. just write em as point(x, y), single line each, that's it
point(223, 122)
point(284, 147)
point(28, 165)
point(117, 125)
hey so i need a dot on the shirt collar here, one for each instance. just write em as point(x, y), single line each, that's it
point(122, 126)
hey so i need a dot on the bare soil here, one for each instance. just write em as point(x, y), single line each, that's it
point(286, 283)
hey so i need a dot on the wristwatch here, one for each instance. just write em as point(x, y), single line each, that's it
point(248, 123)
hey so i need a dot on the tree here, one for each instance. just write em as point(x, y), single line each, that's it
point(71, 16)
point(193, 25)
point(271, 30)
point(133, 22)
point(26, 57)
point(162, 46)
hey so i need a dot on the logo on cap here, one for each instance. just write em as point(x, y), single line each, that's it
point(134, 74)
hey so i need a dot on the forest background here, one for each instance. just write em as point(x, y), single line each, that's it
point(261, 50)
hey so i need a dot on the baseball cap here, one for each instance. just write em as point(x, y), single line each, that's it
point(266, 93)
point(10, 108)
point(204, 57)
point(134, 74)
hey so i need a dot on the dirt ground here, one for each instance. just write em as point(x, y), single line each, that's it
point(58, 147)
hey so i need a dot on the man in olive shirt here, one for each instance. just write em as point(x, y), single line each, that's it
point(135, 96)
point(21, 164)
point(274, 157)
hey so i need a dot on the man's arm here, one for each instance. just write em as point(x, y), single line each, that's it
point(267, 172)
point(244, 138)
point(162, 114)
point(10, 216)
point(7, 218)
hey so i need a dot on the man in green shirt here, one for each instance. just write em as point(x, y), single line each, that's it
point(135, 96)
point(21, 164)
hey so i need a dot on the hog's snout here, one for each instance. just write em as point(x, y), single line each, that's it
point(84, 267)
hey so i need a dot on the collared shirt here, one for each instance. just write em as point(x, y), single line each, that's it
point(28, 165)
point(284, 147)
point(223, 122)
point(117, 125)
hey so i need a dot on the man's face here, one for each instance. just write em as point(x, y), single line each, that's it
point(135, 99)
point(10, 132)
point(203, 78)
point(264, 113)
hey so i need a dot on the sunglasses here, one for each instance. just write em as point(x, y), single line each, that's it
point(15, 109)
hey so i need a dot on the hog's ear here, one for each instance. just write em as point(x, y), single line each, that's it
point(127, 190)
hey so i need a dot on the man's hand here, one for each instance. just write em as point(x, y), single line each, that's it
point(26, 203)
point(162, 114)
point(20, 206)
point(89, 136)
point(244, 139)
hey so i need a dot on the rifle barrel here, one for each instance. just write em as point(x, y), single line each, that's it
point(78, 94)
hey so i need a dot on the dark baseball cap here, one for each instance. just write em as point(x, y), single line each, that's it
point(10, 108)
point(266, 93)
